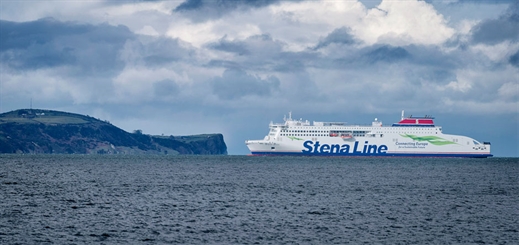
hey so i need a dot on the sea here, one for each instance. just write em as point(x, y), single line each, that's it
point(149, 199)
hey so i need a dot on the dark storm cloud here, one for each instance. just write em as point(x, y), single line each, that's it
point(506, 27)
point(49, 43)
point(237, 47)
point(260, 52)
point(189, 5)
point(386, 54)
point(236, 83)
point(364, 57)
point(162, 51)
point(200, 10)
point(434, 57)
point(339, 36)
point(514, 59)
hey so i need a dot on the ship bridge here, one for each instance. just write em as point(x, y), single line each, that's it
point(411, 121)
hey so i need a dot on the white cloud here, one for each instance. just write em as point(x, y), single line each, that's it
point(332, 13)
point(196, 34)
point(199, 34)
point(151, 17)
point(148, 30)
point(131, 8)
point(483, 91)
point(465, 26)
point(21, 11)
point(461, 85)
point(498, 52)
point(301, 24)
point(509, 92)
point(404, 22)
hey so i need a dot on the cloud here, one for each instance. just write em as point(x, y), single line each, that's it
point(156, 51)
point(386, 54)
point(65, 60)
point(140, 84)
point(259, 52)
point(401, 23)
point(509, 92)
point(88, 63)
point(240, 48)
point(26, 11)
point(189, 5)
point(473, 1)
point(494, 31)
point(302, 24)
point(234, 84)
point(200, 34)
point(50, 43)
point(338, 36)
point(391, 22)
point(166, 88)
point(514, 59)
point(216, 9)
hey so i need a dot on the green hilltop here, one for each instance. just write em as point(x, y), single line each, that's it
point(36, 131)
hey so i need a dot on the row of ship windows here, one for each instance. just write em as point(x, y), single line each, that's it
point(305, 131)
point(369, 128)
point(354, 135)
point(354, 132)
point(327, 131)
point(313, 131)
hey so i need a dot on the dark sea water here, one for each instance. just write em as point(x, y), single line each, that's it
point(71, 199)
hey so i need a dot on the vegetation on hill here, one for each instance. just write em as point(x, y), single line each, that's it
point(47, 131)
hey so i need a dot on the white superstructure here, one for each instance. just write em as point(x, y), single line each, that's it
point(412, 136)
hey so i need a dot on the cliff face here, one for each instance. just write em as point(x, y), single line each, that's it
point(45, 131)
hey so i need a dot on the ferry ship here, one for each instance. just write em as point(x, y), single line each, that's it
point(410, 137)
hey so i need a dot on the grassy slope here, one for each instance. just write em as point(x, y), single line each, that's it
point(52, 119)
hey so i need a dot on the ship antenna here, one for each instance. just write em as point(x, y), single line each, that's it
point(402, 114)
point(290, 115)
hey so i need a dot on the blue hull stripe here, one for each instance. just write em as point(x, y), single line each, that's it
point(371, 155)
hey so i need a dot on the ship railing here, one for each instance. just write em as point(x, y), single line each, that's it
point(276, 124)
point(327, 124)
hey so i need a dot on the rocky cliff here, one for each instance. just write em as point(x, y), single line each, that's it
point(46, 131)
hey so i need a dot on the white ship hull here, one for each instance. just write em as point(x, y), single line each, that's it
point(297, 137)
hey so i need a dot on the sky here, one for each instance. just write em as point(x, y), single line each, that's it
point(233, 66)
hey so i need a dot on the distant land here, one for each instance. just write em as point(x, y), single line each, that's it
point(36, 131)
